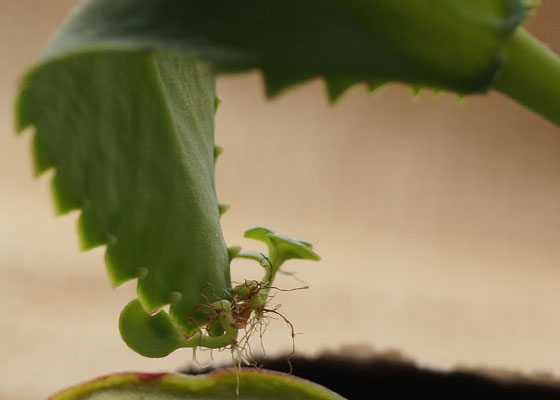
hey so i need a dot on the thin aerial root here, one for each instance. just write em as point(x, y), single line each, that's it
point(237, 367)
point(246, 310)
point(211, 351)
point(195, 359)
point(292, 330)
point(204, 306)
point(262, 330)
point(213, 292)
point(249, 352)
point(291, 370)
point(242, 358)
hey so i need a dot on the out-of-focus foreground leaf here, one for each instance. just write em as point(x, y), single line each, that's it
point(222, 385)
point(453, 44)
point(458, 45)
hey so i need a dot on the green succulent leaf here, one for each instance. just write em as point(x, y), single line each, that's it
point(455, 44)
point(130, 136)
point(287, 248)
point(152, 336)
point(280, 248)
point(221, 385)
point(458, 45)
point(260, 233)
point(156, 335)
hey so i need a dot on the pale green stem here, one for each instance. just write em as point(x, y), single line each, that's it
point(531, 75)
point(270, 274)
point(273, 268)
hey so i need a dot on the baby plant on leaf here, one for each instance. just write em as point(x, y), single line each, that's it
point(157, 336)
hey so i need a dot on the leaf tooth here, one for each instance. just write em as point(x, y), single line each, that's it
point(151, 300)
point(64, 195)
point(142, 272)
point(42, 161)
point(416, 89)
point(233, 251)
point(174, 297)
point(337, 86)
point(223, 207)
point(217, 101)
point(90, 232)
point(461, 98)
point(24, 107)
point(276, 82)
point(218, 150)
point(26, 117)
point(376, 84)
point(111, 239)
point(437, 92)
point(119, 275)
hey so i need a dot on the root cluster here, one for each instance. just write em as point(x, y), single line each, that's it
point(251, 315)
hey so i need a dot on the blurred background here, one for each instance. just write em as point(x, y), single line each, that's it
point(438, 223)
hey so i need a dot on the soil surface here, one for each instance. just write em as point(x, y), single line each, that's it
point(387, 377)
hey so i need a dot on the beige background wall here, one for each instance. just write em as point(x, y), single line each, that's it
point(438, 224)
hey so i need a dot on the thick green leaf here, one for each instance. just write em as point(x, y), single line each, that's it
point(532, 76)
point(459, 45)
point(452, 44)
point(222, 385)
point(156, 336)
point(152, 336)
point(130, 136)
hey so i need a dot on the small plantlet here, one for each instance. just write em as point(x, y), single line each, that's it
point(244, 309)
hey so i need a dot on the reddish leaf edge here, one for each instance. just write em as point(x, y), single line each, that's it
point(190, 382)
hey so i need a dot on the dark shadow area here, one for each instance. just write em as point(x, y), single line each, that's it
point(385, 377)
